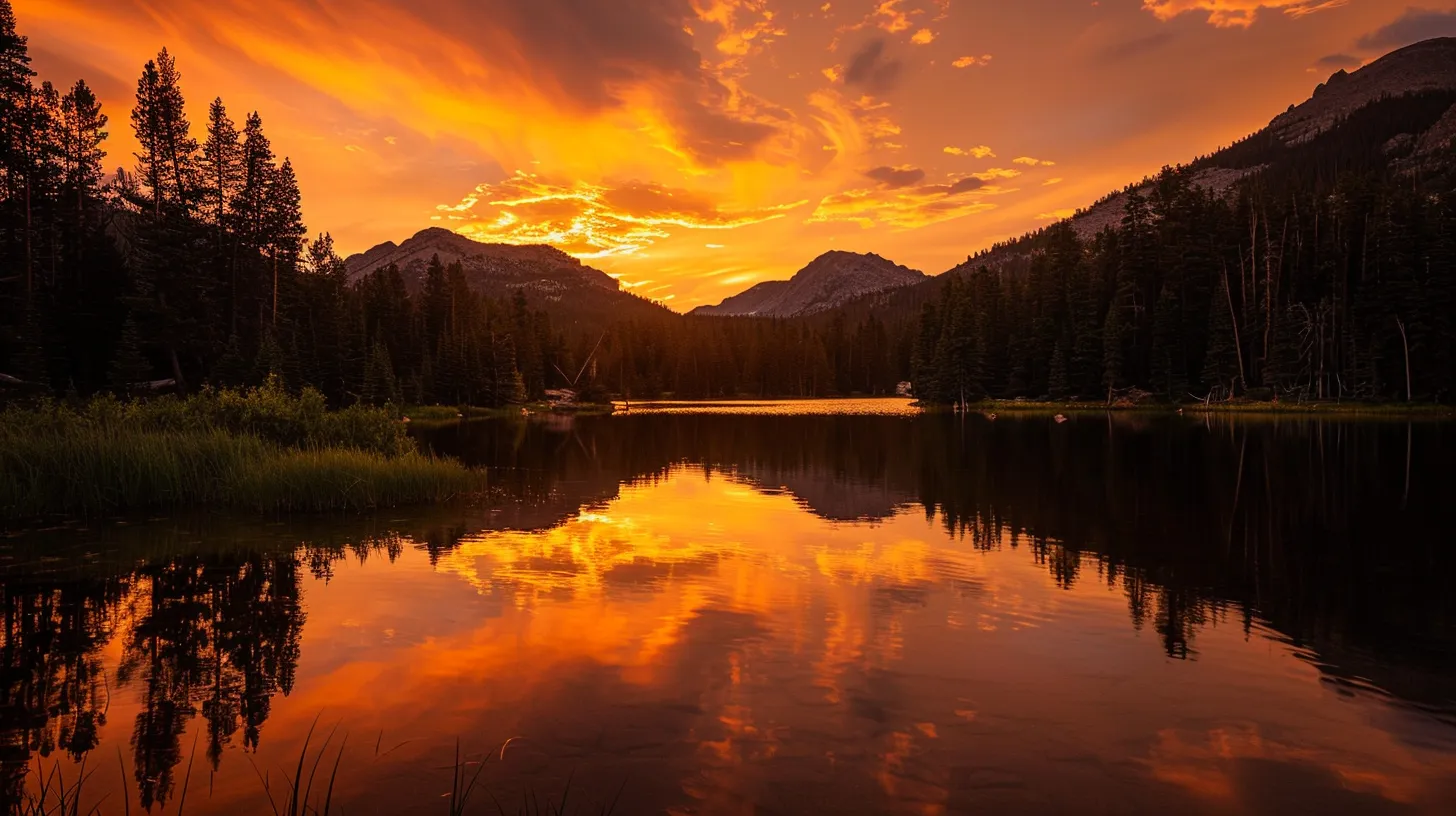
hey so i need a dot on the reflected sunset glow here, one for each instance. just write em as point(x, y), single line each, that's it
point(714, 629)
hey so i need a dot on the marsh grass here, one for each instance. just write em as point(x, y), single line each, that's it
point(262, 450)
point(297, 794)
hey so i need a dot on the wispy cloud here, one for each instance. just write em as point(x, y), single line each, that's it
point(979, 152)
point(1237, 13)
point(973, 62)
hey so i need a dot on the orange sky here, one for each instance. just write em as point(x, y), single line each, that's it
point(695, 147)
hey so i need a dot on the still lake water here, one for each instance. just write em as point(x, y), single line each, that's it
point(769, 613)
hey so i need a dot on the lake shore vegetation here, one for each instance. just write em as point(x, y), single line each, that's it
point(261, 449)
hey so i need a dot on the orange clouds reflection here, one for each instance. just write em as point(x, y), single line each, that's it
point(713, 640)
point(1223, 765)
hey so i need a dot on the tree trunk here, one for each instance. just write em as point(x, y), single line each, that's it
point(1234, 318)
point(29, 264)
point(176, 368)
point(1405, 343)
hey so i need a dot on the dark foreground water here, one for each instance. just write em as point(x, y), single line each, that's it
point(774, 614)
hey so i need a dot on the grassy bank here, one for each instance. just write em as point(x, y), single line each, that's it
point(260, 450)
point(432, 415)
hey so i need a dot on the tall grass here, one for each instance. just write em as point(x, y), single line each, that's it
point(52, 794)
point(263, 450)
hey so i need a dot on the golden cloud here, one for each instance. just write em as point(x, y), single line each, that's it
point(897, 204)
point(996, 173)
point(739, 38)
point(853, 127)
point(1236, 13)
point(591, 220)
point(1057, 215)
point(889, 16)
point(1030, 162)
point(979, 152)
point(973, 62)
point(923, 37)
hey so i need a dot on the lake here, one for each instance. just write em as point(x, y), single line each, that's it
point(778, 610)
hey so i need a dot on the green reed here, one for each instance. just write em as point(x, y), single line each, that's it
point(262, 450)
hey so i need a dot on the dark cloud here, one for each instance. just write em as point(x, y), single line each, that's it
point(1117, 52)
point(1339, 61)
point(896, 177)
point(589, 50)
point(586, 48)
point(870, 69)
point(709, 133)
point(1414, 25)
point(965, 185)
point(585, 56)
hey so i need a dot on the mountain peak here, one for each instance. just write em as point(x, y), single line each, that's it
point(415, 252)
point(576, 294)
point(828, 282)
point(1429, 65)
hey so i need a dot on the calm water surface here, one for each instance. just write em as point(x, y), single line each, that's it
point(768, 613)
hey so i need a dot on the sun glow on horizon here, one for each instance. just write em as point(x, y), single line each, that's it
point(788, 123)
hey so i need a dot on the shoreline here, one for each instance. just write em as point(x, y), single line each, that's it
point(429, 415)
point(1349, 409)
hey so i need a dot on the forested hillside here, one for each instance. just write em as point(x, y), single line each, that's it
point(1328, 271)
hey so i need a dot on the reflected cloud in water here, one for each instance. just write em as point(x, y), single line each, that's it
point(851, 614)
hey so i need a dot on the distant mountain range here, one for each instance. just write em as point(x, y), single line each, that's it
point(828, 282)
point(869, 283)
point(575, 294)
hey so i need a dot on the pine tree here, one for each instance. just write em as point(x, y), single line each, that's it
point(29, 363)
point(159, 119)
point(1057, 376)
point(1220, 362)
point(15, 76)
point(380, 385)
point(1168, 364)
point(509, 389)
point(82, 131)
point(269, 361)
point(231, 369)
point(284, 229)
point(221, 167)
point(250, 204)
point(128, 366)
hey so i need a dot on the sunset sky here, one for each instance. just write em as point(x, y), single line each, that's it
point(695, 147)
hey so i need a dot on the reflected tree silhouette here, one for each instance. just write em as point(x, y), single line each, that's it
point(1330, 533)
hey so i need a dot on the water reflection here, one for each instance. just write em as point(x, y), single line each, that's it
point(778, 613)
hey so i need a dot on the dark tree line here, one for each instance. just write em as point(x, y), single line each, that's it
point(714, 357)
point(193, 266)
point(1328, 272)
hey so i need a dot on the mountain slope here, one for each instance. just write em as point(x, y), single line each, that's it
point(1395, 115)
point(574, 293)
point(828, 282)
point(1425, 66)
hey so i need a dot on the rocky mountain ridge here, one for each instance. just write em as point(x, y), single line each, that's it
point(577, 294)
point(826, 283)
